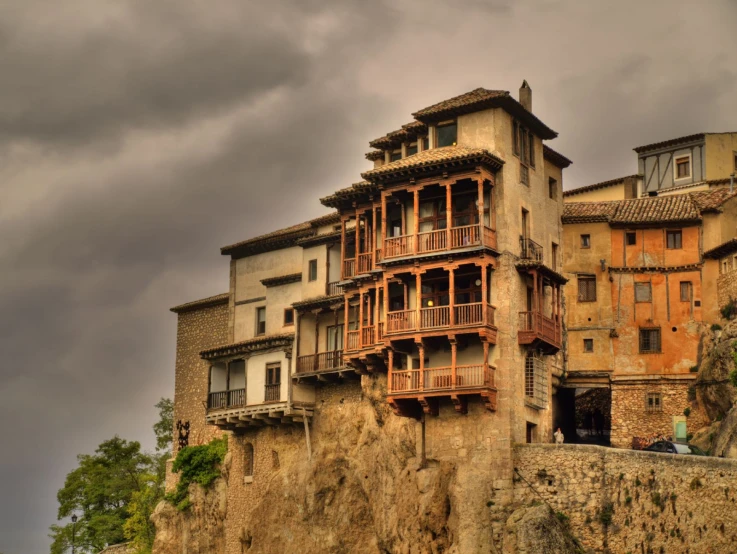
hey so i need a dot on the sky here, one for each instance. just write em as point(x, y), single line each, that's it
point(138, 137)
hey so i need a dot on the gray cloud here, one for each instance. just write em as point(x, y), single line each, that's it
point(136, 138)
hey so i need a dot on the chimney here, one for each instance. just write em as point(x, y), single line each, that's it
point(525, 96)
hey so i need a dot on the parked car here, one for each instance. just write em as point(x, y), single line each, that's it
point(669, 447)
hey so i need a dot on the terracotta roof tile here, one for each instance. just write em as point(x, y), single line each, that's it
point(251, 345)
point(595, 186)
point(658, 209)
point(374, 155)
point(431, 158)
point(669, 142)
point(468, 99)
point(202, 303)
point(589, 212)
point(711, 200)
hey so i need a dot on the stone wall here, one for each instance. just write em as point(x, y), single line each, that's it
point(651, 502)
point(197, 330)
point(630, 417)
point(726, 288)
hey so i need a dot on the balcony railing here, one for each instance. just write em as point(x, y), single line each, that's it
point(226, 399)
point(333, 289)
point(398, 322)
point(438, 317)
point(530, 250)
point(368, 335)
point(353, 340)
point(364, 263)
point(321, 361)
point(273, 392)
point(439, 378)
point(437, 241)
point(431, 318)
point(535, 325)
point(349, 268)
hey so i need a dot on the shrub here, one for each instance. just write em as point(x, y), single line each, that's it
point(694, 369)
point(605, 516)
point(733, 377)
point(687, 412)
point(691, 394)
point(196, 464)
point(729, 311)
point(563, 518)
point(695, 484)
point(628, 500)
point(716, 327)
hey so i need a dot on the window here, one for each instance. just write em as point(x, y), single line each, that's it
point(531, 149)
point(288, 316)
point(524, 174)
point(395, 155)
point(683, 167)
point(515, 137)
point(631, 238)
point(435, 293)
point(467, 289)
point(588, 345)
point(674, 239)
point(643, 292)
point(536, 381)
point(411, 148)
point(433, 215)
point(686, 291)
point(465, 210)
point(587, 288)
point(273, 382)
point(585, 241)
point(523, 144)
point(425, 143)
point(447, 134)
point(649, 341)
point(553, 189)
point(735, 161)
point(261, 321)
point(653, 402)
point(312, 273)
point(335, 337)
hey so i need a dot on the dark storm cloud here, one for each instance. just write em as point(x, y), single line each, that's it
point(138, 137)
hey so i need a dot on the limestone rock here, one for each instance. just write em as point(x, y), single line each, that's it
point(716, 393)
point(534, 529)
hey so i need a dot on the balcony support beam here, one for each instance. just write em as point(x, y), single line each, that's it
point(383, 223)
point(421, 350)
point(451, 289)
point(453, 369)
point(342, 248)
point(448, 215)
point(481, 209)
point(346, 321)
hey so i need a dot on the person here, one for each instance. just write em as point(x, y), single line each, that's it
point(558, 436)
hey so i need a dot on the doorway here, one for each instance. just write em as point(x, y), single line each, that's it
point(584, 414)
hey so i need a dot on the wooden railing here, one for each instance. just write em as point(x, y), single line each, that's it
point(530, 250)
point(349, 267)
point(333, 289)
point(236, 397)
point(353, 340)
point(367, 335)
point(320, 362)
point(380, 332)
point(468, 235)
point(217, 400)
point(439, 378)
point(272, 393)
point(438, 316)
point(398, 246)
point(397, 322)
point(432, 241)
point(489, 237)
point(364, 263)
point(378, 254)
point(534, 325)
point(469, 314)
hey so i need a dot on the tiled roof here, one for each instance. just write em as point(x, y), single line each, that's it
point(375, 155)
point(596, 186)
point(395, 138)
point(251, 345)
point(203, 303)
point(658, 209)
point(281, 238)
point(431, 159)
point(675, 208)
point(317, 301)
point(556, 157)
point(482, 99)
point(348, 194)
point(281, 280)
point(670, 142)
point(722, 250)
point(588, 212)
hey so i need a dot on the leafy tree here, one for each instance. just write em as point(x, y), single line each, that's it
point(164, 428)
point(99, 491)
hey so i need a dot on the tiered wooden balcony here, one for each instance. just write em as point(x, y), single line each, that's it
point(228, 409)
point(440, 318)
point(360, 265)
point(322, 367)
point(541, 331)
point(332, 289)
point(439, 240)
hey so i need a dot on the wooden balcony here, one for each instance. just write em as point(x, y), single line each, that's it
point(441, 318)
point(439, 240)
point(332, 289)
point(540, 330)
point(354, 341)
point(349, 268)
point(360, 265)
point(322, 361)
point(272, 392)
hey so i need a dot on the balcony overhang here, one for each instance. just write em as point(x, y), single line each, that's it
point(333, 302)
point(276, 413)
point(267, 342)
point(524, 266)
point(441, 255)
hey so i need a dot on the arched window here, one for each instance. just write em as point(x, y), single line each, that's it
point(248, 460)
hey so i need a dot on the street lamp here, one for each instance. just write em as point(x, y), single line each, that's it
point(74, 528)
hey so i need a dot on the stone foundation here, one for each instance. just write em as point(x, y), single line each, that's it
point(726, 288)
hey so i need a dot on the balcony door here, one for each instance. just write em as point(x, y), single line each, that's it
point(273, 382)
point(465, 210)
point(435, 293)
point(433, 215)
point(335, 338)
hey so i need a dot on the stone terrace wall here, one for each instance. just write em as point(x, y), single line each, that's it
point(726, 288)
point(659, 502)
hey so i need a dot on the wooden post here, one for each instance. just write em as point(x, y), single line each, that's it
point(421, 350)
point(359, 326)
point(418, 300)
point(358, 238)
point(451, 290)
point(448, 215)
point(481, 211)
point(487, 375)
point(492, 207)
point(484, 293)
point(373, 239)
point(342, 248)
point(404, 218)
point(416, 221)
point(383, 224)
point(345, 323)
point(390, 369)
point(317, 334)
point(386, 299)
point(453, 370)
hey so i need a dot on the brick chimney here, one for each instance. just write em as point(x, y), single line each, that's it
point(525, 96)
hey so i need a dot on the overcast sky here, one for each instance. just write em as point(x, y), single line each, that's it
point(139, 136)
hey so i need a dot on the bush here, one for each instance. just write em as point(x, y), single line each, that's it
point(691, 394)
point(197, 464)
point(563, 518)
point(687, 412)
point(716, 327)
point(733, 377)
point(694, 369)
point(607, 513)
point(730, 310)
point(695, 484)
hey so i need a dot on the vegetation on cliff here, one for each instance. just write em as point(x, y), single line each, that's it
point(197, 464)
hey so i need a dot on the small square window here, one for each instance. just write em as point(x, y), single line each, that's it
point(395, 155)
point(261, 321)
point(653, 402)
point(585, 241)
point(312, 273)
point(631, 238)
point(288, 316)
point(588, 345)
point(643, 292)
point(553, 188)
point(674, 239)
point(686, 291)
point(649, 341)
point(683, 167)
point(412, 149)
point(446, 134)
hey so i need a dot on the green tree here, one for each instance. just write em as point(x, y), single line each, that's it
point(164, 428)
point(99, 491)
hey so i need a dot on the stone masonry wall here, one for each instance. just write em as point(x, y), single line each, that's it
point(197, 330)
point(631, 419)
point(726, 288)
point(655, 502)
